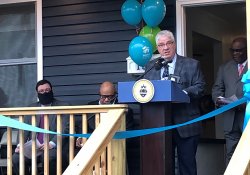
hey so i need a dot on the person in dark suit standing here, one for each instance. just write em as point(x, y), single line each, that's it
point(187, 73)
point(228, 83)
point(46, 98)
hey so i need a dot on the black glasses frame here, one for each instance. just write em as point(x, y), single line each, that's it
point(237, 50)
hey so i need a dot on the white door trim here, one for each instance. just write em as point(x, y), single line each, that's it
point(39, 37)
point(15, 1)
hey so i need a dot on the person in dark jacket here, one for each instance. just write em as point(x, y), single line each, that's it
point(190, 80)
point(46, 98)
point(108, 96)
point(228, 85)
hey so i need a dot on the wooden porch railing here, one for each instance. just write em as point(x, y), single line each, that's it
point(239, 163)
point(100, 155)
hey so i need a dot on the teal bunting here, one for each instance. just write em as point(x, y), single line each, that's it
point(6, 121)
point(246, 89)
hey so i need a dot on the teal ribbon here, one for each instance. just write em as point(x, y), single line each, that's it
point(9, 122)
point(136, 133)
point(246, 89)
point(6, 121)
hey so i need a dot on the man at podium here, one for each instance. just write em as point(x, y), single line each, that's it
point(188, 76)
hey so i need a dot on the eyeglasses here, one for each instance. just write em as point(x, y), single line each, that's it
point(237, 50)
point(109, 97)
point(168, 44)
point(42, 91)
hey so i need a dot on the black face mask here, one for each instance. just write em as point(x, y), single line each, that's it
point(45, 98)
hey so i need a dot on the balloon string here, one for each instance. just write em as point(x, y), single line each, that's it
point(138, 27)
point(142, 21)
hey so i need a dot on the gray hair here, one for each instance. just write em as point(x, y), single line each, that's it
point(164, 33)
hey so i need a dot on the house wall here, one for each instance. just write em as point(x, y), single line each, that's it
point(85, 42)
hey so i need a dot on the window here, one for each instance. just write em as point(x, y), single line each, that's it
point(18, 53)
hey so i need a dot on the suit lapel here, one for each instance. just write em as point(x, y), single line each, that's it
point(178, 65)
point(38, 120)
point(157, 73)
point(38, 116)
point(234, 69)
point(153, 74)
point(52, 117)
point(234, 72)
point(244, 71)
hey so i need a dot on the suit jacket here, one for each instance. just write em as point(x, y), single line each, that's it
point(192, 81)
point(52, 121)
point(228, 83)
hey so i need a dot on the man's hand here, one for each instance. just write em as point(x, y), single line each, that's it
point(17, 150)
point(219, 102)
point(42, 146)
point(79, 142)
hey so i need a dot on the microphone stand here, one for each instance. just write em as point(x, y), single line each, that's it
point(158, 65)
point(145, 73)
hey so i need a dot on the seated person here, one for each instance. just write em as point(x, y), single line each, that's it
point(108, 96)
point(46, 98)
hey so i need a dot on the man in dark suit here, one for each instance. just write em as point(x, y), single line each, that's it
point(108, 96)
point(185, 71)
point(46, 98)
point(228, 84)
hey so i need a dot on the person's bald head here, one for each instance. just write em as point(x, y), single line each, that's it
point(107, 92)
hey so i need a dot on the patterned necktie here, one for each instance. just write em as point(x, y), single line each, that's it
point(41, 125)
point(240, 69)
point(165, 73)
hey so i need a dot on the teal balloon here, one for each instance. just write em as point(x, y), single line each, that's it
point(140, 50)
point(150, 33)
point(153, 12)
point(131, 12)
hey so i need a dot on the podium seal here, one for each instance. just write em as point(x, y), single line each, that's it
point(143, 91)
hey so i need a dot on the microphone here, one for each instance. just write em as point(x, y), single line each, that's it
point(158, 65)
point(171, 77)
point(165, 63)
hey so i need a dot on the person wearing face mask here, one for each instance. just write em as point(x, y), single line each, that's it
point(228, 83)
point(46, 98)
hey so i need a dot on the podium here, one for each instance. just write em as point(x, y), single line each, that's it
point(157, 154)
